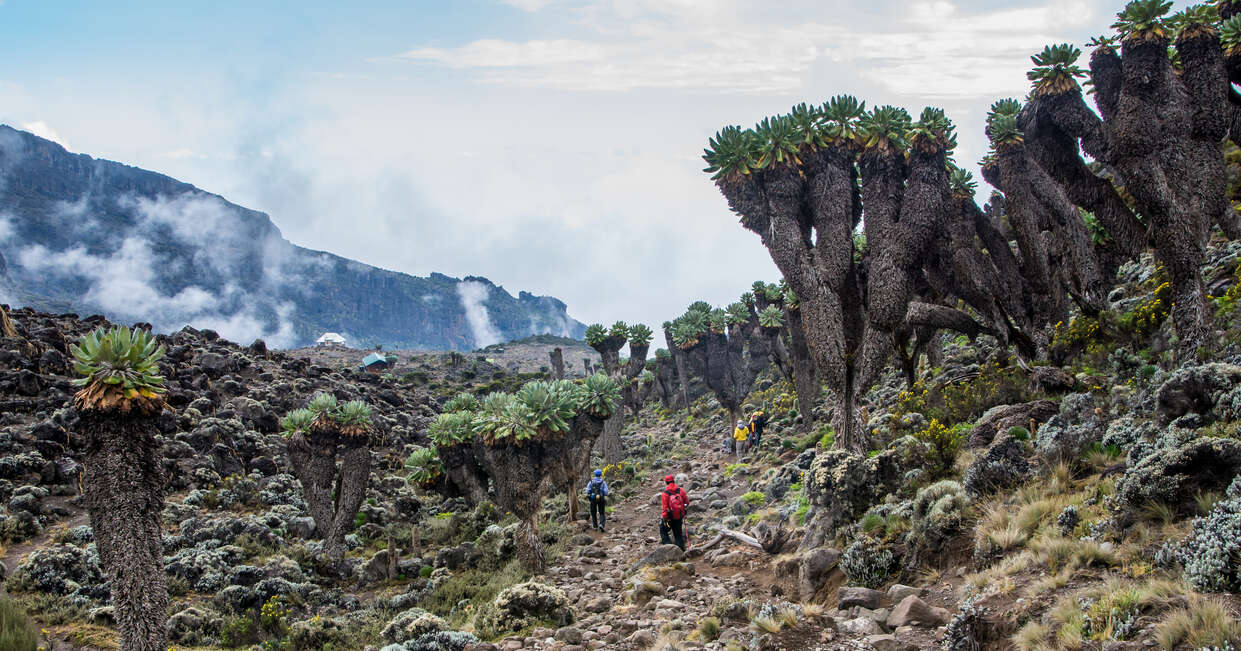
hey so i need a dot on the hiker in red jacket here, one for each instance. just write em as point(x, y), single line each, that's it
point(673, 502)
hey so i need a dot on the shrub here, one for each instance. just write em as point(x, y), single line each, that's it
point(1019, 433)
point(867, 563)
point(1068, 520)
point(16, 631)
point(754, 498)
point(937, 513)
point(942, 444)
point(437, 641)
point(528, 604)
point(1211, 556)
point(961, 633)
point(410, 625)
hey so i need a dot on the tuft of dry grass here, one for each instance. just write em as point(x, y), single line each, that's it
point(1202, 623)
point(1033, 637)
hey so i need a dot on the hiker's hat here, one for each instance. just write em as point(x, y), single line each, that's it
point(598, 472)
point(668, 479)
point(741, 423)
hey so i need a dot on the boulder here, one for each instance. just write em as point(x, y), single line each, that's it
point(661, 555)
point(887, 642)
point(848, 597)
point(999, 420)
point(912, 611)
point(813, 570)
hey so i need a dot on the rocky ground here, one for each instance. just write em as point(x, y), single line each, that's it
point(1089, 502)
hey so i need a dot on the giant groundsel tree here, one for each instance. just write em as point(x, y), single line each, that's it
point(635, 386)
point(320, 435)
point(531, 439)
point(1165, 104)
point(119, 402)
point(803, 181)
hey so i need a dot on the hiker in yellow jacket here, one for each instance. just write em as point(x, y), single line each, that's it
point(742, 437)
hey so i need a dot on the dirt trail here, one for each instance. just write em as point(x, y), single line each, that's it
point(13, 556)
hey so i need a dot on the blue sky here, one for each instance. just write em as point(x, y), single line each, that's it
point(550, 145)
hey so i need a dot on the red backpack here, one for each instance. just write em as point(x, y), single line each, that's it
point(676, 504)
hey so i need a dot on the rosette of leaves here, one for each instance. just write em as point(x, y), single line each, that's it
point(717, 320)
point(424, 466)
point(747, 299)
point(646, 377)
point(737, 313)
point(1143, 20)
point(619, 329)
point(640, 335)
point(771, 317)
point(298, 420)
point(840, 116)
point(730, 155)
point(962, 182)
point(502, 419)
point(779, 142)
point(451, 428)
point(119, 369)
point(886, 127)
point(353, 418)
point(596, 334)
point(1056, 70)
point(687, 330)
point(548, 405)
point(323, 406)
point(933, 131)
point(461, 402)
point(1230, 35)
point(790, 299)
point(598, 396)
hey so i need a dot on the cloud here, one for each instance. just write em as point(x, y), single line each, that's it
point(529, 5)
point(118, 280)
point(931, 48)
point(6, 227)
point(473, 296)
point(179, 154)
point(43, 130)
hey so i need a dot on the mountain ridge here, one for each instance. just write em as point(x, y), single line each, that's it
point(83, 234)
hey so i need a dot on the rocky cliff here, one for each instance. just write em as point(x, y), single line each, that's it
point(86, 235)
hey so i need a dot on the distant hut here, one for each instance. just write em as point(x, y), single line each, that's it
point(330, 339)
point(377, 362)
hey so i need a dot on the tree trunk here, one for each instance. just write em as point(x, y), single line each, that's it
point(315, 467)
point(355, 472)
point(557, 357)
point(531, 551)
point(610, 442)
point(393, 556)
point(124, 481)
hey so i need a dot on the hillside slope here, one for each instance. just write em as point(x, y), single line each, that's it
point(87, 235)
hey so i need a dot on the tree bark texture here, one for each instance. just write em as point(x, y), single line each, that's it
point(124, 483)
point(557, 359)
point(355, 472)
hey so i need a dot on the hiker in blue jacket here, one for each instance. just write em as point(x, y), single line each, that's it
point(597, 493)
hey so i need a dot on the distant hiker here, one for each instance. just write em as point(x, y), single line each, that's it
point(673, 502)
point(597, 493)
point(758, 421)
point(741, 435)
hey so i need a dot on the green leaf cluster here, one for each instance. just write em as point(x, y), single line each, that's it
point(424, 466)
point(640, 335)
point(843, 121)
point(771, 317)
point(121, 358)
point(1144, 20)
point(1056, 70)
point(538, 408)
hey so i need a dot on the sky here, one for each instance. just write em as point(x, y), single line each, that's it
point(553, 146)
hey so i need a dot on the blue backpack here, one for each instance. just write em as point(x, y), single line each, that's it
point(597, 487)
